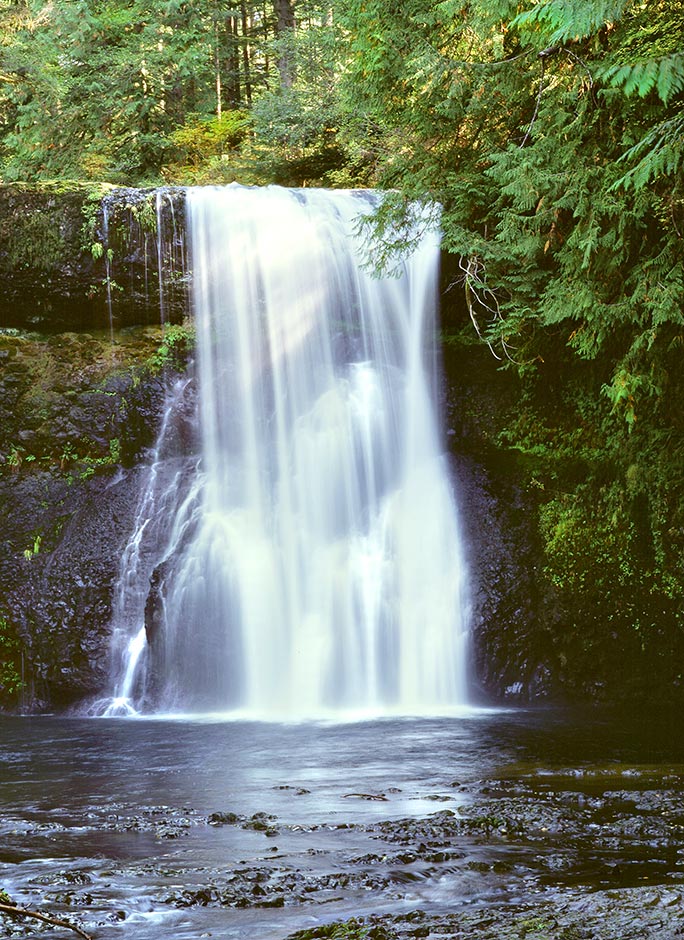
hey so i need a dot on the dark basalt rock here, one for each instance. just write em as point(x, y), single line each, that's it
point(82, 256)
point(513, 609)
point(59, 599)
point(77, 415)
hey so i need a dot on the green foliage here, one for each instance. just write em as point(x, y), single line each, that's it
point(91, 211)
point(148, 90)
point(665, 75)
point(659, 154)
point(10, 658)
point(176, 346)
point(600, 552)
point(14, 458)
point(34, 548)
point(91, 465)
point(561, 21)
point(204, 143)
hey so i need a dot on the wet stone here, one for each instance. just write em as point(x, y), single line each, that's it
point(224, 819)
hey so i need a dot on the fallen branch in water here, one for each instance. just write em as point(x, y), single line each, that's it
point(55, 921)
point(367, 796)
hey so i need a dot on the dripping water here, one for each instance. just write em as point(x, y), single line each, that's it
point(160, 254)
point(108, 268)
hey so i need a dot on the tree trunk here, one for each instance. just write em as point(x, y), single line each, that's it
point(285, 24)
point(246, 65)
point(232, 85)
point(217, 70)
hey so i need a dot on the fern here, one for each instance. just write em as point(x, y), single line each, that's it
point(660, 153)
point(665, 75)
point(560, 21)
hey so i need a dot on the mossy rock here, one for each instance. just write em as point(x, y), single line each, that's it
point(63, 268)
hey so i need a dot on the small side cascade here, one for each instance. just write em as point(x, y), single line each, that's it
point(171, 254)
point(156, 532)
point(159, 200)
point(308, 562)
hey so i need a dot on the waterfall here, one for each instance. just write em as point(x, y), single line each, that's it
point(310, 562)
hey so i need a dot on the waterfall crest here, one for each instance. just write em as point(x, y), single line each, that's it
point(311, 563)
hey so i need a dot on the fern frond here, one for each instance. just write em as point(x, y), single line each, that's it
point(666, 75)
point(562, 20)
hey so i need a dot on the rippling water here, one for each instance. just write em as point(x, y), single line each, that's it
point(112, 821)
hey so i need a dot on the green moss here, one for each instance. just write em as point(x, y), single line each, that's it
point(33, 240)
point(599, 557)
point(10, 661)
point(61, 187)
point(70, 395)
point(39, 223)
point(177, 344)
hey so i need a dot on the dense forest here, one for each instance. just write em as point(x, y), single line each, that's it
point(551, 134)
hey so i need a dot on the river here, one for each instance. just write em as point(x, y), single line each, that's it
point(149, 828)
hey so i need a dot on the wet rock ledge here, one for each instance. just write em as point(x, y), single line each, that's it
point(86, 256)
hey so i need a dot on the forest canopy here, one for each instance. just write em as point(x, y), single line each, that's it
point(552, 134)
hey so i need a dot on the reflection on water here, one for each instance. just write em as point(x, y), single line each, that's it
point(140, 827)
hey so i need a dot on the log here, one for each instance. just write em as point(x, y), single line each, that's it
point(55, 921)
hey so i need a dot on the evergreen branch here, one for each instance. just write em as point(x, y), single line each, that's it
point(660, 151)
point(665, 75)
point(561, 21)
point(495, 62)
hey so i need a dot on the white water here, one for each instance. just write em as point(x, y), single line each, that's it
point(312, 564)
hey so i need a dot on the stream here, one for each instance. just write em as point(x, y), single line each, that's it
point(149, 828)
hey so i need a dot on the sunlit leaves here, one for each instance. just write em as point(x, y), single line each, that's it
point(560, 21)
point(664, 75)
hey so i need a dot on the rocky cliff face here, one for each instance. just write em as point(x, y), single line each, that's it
point(85, 365)
point(88, 257)
point(514, 610)
point(77, 414)
point(87, 273)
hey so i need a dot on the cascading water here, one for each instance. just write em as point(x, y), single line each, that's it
point(311, 562)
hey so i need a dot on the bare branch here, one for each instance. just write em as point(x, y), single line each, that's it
point(55, 921)
point(479, 297)
point(584, 66)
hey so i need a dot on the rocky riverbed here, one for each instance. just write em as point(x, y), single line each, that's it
point(573, 849)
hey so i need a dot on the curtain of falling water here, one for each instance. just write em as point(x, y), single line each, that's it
point(324, 571)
